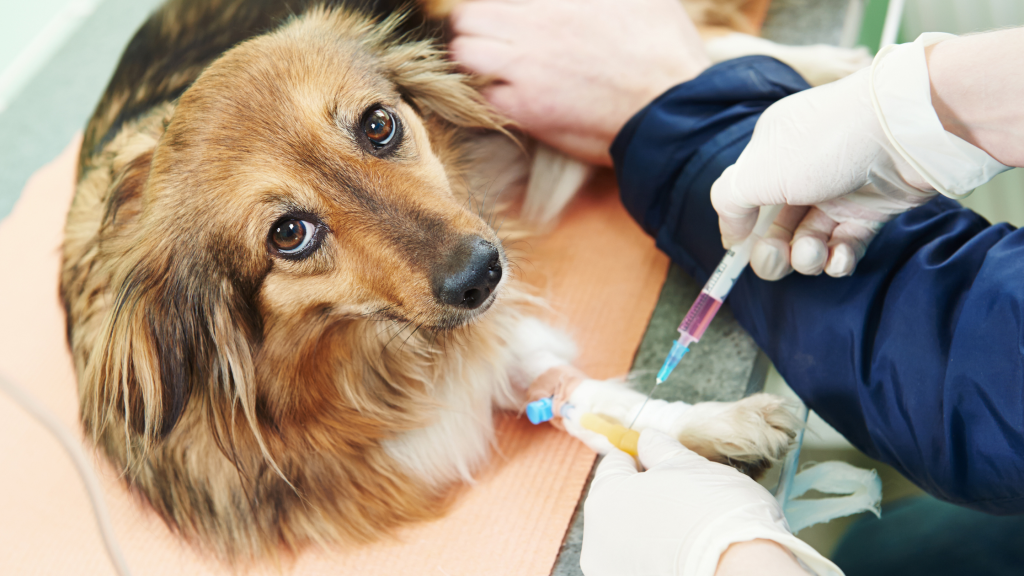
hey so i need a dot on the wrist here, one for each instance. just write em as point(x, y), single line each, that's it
point(652, 90)
point(763, 557)
point(947, 101)
point(670, 77)
point(974, 83)
point(937, 160)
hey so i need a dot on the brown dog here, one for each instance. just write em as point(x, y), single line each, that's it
point(289, 318)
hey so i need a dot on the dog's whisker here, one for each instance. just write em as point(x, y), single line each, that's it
point(413, 333)
point(498, 229)
point(393, 336)
point(433, 341)
point(399, 332)
point(377, 311)
point(494, 208)
point(483, 203)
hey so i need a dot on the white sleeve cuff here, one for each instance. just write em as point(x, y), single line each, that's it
point(901, 95)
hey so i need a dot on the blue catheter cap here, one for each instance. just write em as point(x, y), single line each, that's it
point(539, 411)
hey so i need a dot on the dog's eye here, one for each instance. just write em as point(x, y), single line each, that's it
point(379, 127)
point(292, 236)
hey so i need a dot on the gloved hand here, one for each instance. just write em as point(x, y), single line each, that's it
point(679, 516)
point(845, 157)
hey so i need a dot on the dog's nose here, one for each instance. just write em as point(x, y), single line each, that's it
point(474, 269)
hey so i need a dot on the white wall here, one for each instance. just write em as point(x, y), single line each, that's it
point(960, 16)
point(30, 33)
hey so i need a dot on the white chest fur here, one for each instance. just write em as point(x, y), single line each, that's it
point(458, 440)
point(475, 381)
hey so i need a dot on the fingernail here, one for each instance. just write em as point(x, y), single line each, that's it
point(768, 261)
point(842, 261)
point(809, 255)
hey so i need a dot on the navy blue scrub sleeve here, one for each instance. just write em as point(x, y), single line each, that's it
point(917, 358)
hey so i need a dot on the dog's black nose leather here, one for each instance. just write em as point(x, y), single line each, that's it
point(474, 270)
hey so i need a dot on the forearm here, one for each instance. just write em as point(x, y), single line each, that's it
point(761, 557)
point(976, 85)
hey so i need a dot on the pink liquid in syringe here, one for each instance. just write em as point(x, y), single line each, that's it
point(698, 318)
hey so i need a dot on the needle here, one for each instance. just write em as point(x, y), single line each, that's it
point(711, 297)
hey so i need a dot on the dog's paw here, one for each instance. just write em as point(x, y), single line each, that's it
point(818, 63)
point(750, 434)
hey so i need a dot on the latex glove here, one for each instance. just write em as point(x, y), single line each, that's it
point(572, 72)
point(679, 516)
point(845, 157)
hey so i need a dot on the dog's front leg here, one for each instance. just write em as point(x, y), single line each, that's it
point(749, 434)
point(538, 351)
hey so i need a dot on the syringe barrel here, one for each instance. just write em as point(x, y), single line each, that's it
point(698, 318)
point(722, 280)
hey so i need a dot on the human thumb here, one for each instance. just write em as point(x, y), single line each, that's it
point(615, 466)
point(736, 217)
point(656, 448)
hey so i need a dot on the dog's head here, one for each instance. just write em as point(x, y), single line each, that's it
point(312, 161)
point(306, 181)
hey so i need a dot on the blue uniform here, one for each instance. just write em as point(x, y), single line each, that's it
point(917, 358)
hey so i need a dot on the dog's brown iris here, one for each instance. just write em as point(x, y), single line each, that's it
point(289, 236)
point(379, 127)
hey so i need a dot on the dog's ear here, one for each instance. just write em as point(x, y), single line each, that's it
point(431, 82)
point(177, 326)
point(173, 331)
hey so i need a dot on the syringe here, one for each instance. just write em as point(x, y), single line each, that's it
point(714, 292)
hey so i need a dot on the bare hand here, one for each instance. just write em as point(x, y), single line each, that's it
point(572, 72)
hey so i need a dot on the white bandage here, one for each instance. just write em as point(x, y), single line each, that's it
point(622, 403)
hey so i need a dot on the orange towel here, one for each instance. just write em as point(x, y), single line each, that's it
point(602, 276)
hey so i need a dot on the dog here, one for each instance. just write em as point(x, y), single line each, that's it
point(290, 320)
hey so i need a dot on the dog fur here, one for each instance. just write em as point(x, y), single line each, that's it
point(261, 402)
